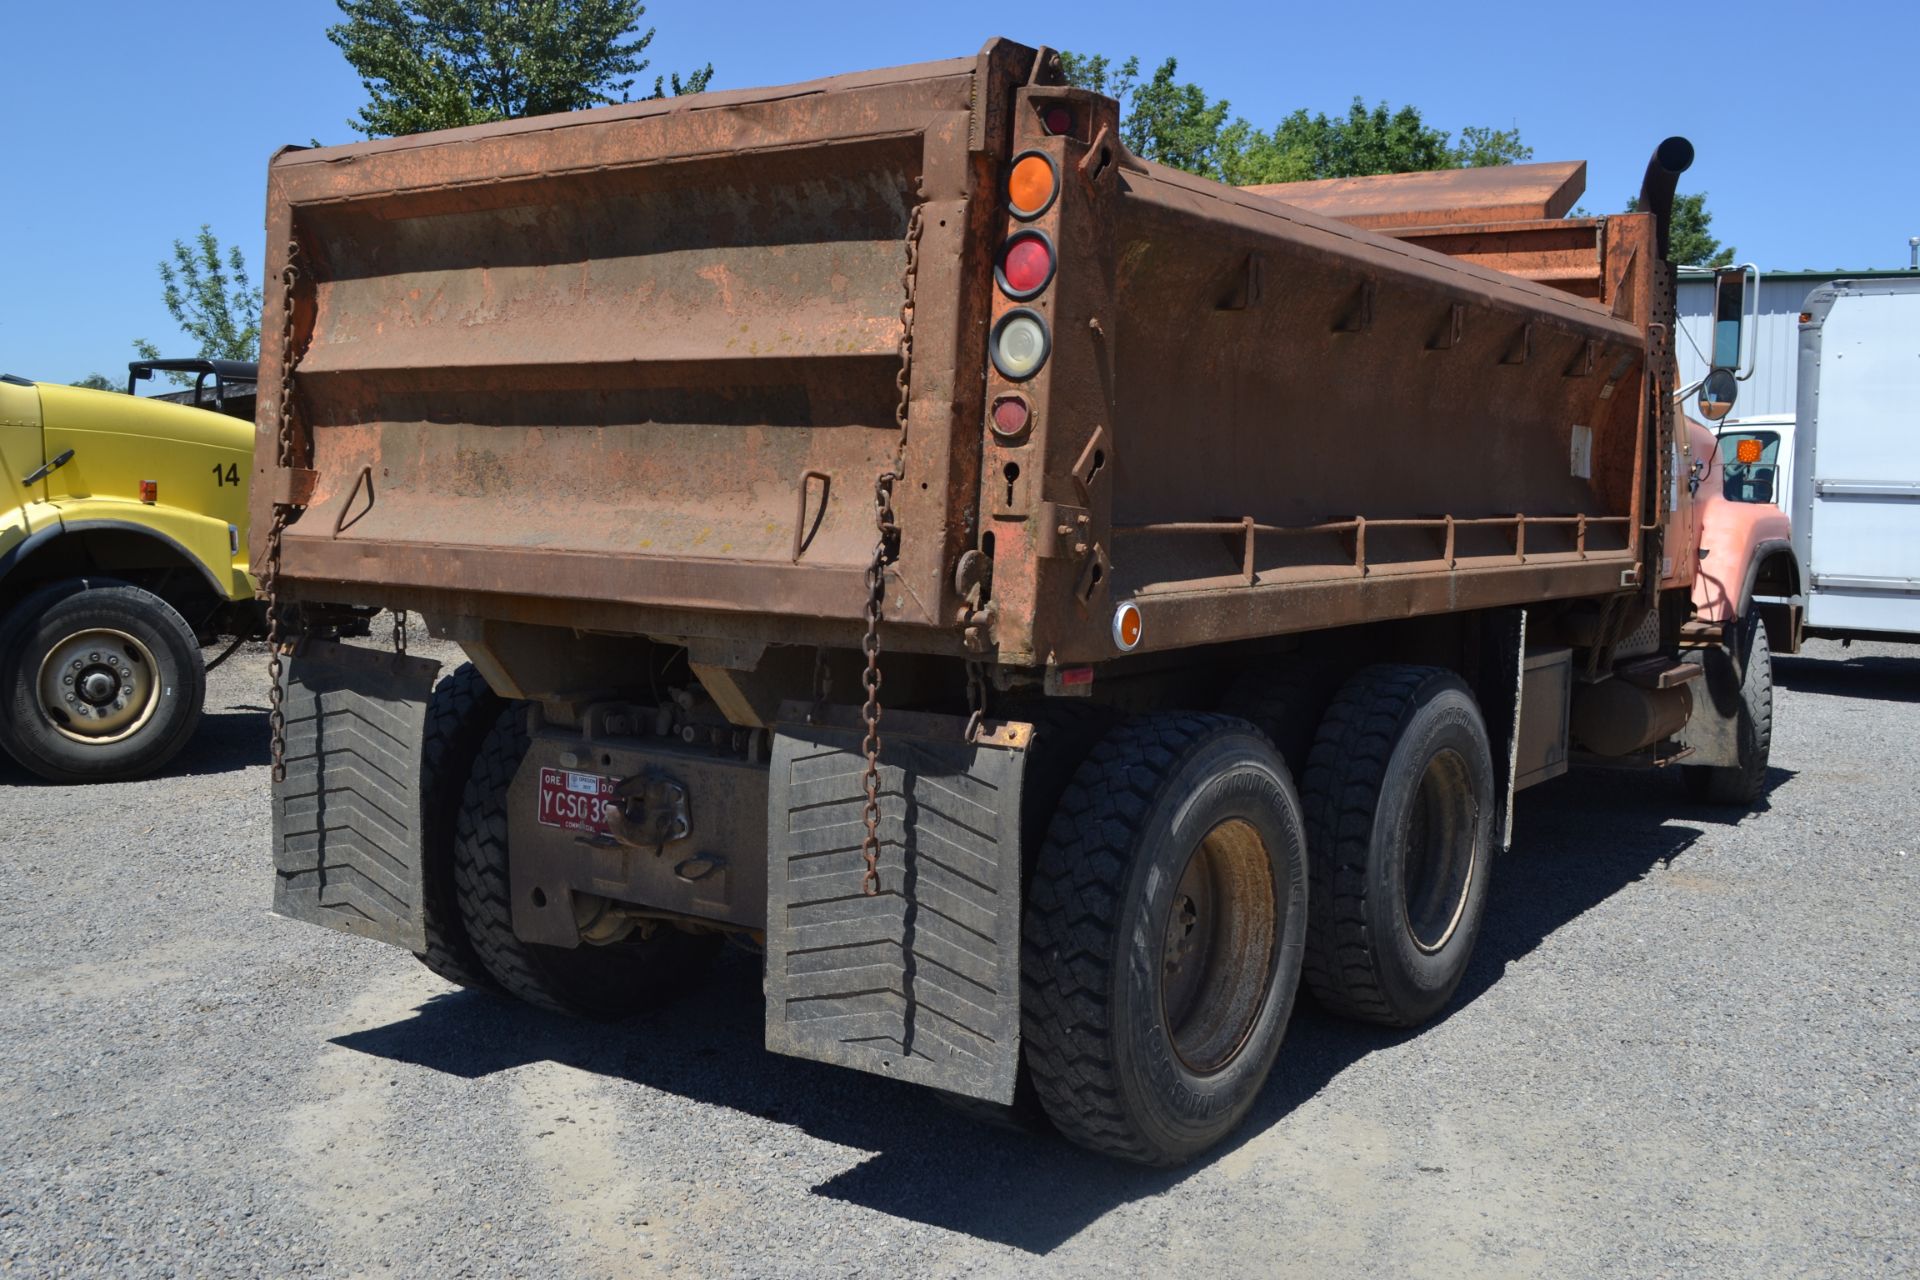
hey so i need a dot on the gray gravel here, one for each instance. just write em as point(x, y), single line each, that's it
point(1688, 1046)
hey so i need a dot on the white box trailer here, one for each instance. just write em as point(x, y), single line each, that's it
point(1856, 460)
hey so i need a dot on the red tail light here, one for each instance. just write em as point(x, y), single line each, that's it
point(1026, 264)
point(1010, 415)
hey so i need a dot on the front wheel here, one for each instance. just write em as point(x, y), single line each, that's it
point(100, 681)
point(1741, 674)
point(1161, 944)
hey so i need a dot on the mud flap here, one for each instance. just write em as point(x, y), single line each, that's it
point(346, 822)
point(922, 981)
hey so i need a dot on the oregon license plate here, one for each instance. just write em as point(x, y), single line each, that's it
point(574, 801)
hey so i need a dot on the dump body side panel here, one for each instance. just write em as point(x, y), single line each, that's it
point(1301, 424)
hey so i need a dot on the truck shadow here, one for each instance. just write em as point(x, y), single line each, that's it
point(225, 742)
point(1874, 677)
point(1578, 843)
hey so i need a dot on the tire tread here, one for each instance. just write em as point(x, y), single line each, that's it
point(1070, 943)
point(1339, 796)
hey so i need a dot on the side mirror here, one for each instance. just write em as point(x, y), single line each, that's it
point(1717, 394)
point(1729, 316)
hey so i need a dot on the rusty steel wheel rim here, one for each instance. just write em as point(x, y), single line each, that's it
point(1442, 852)
point(1221, 930)
point(98, 686)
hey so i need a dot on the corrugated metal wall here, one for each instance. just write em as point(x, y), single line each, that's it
point(1771, 389)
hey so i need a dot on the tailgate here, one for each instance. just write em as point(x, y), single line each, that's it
point(645, 355)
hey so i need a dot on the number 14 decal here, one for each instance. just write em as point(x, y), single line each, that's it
point(229, 474)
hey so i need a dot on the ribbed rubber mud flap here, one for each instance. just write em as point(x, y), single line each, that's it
point(346, 822)
point(922, 981)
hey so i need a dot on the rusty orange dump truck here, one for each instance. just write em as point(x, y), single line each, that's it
point(1057, 606)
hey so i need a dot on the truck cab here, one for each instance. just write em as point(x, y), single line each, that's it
point(122, 549)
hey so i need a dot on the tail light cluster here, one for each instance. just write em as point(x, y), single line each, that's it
point(1021, 341)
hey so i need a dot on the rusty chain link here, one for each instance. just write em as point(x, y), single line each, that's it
point(976, 700)
point(870, 679)
point(887, 533)
point(400, 632)
point(270, 571)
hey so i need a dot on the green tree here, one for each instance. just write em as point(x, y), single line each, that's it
point(437, 64)
point(1690, 242)
point(98, 382)
point(209, 293)
point(1178, 124)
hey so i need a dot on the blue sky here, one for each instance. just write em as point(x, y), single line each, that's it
point(124, 126)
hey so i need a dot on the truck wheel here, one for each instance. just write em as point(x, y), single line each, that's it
point(609, 981)
point(1287, 703)
point(1161, 946)
point(99, 681)
point(1399, 809)
point(1745, 669)
point(459, 714)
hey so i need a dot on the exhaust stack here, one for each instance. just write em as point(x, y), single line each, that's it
point(1670, 159)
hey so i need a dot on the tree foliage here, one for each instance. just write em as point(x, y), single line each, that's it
point(438, 64)
point(99, 382)
point(210, 295)
point(1178, 124)
point(1691, 243)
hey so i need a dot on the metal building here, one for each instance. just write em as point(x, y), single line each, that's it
point(1782, 296)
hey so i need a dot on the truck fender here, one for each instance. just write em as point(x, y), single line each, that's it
point(68, 536)
point(1739, 549)
point(1772, 570)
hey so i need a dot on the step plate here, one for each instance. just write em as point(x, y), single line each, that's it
point(922, 981)
point(346, 822)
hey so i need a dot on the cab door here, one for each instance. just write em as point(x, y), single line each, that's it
point(21, 453)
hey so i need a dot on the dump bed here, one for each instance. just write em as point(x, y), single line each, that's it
point(643, 368)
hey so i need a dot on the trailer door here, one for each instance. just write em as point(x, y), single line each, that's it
point(1865, 511)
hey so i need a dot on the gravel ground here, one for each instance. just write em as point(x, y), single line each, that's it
point(1688, 1046)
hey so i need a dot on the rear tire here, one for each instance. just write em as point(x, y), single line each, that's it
point(611, 981)
point(100, 681)
point(1399, 806)
point(1745, 671)
point(459, 714)
point(1286, 702)
point(1161, 944)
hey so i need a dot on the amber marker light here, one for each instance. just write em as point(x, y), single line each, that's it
point(1127, 627)
point(1746, 450)
point(1032, 184)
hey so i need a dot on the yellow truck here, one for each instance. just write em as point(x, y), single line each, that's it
point(123, 550)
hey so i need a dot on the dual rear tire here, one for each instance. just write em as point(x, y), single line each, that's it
point(473, 746)
point(1184, 891)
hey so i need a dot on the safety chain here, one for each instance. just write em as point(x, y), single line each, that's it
point(976, 699)
point(870, 679)
point(909, 278)
point(270, 572)
point(887, 534)
point(400, 632)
